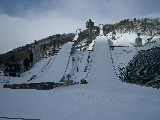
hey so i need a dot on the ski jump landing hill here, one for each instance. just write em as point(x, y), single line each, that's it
point(57, 65)
point(102, 67)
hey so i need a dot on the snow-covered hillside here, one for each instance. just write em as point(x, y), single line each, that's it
point(122, 55)
point(104, 97)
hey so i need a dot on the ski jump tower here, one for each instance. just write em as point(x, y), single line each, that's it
point(90, 25)
point(100, 29)
point(36, 52)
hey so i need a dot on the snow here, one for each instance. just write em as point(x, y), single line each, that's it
point(104, 97)
point(90, 47)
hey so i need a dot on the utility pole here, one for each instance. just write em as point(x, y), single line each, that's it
point(90, 25)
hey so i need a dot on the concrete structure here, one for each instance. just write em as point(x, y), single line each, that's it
point(13, 69)
point(90, 25)
point(36, 52)
point(100, 29)
point(138, 41)
point(78, 31)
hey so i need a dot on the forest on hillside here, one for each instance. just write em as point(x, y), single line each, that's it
point(145, 26)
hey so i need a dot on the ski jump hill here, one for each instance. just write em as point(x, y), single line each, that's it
point(103, 98)
point(102, 67)
point(55, 67)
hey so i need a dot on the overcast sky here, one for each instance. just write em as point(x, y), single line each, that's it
point(23, 21)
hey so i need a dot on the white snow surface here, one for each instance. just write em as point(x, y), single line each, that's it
point(105, 97)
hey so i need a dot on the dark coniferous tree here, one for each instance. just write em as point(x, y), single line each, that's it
point(26, 63)
point(31, 57)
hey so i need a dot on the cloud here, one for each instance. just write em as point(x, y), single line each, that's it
point(13, 32)
point(16, 31)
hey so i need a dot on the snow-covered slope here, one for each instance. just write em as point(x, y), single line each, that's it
point(82, 65)
point(104, 97)
point(57, 69)
point(102, 68)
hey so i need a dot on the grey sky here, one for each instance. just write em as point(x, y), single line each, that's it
point(23, 21)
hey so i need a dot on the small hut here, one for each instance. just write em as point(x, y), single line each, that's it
point(138, 41)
